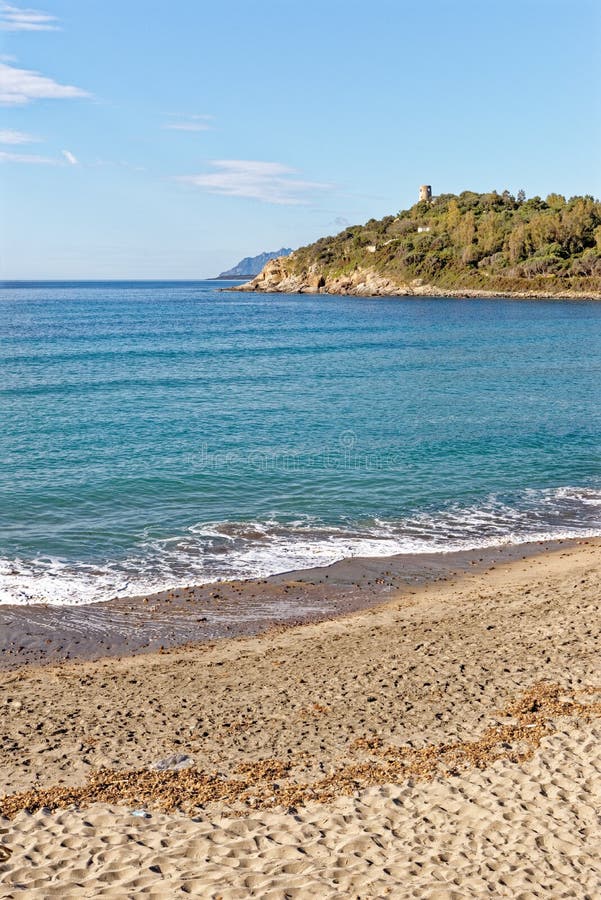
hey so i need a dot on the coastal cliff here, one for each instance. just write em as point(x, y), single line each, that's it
point(470, 245)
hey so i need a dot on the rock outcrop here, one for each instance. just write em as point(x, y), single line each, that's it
point(279, 277)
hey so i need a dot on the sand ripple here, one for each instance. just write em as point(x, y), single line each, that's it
point(519, 831)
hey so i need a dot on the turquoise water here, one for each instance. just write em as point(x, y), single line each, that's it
point(161, 433)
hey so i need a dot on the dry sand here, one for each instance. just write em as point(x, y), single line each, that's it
point(508, 831)
point(339, 704)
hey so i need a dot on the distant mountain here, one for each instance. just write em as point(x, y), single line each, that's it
point(252, 265)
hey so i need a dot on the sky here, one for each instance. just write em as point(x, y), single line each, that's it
point(143, 139)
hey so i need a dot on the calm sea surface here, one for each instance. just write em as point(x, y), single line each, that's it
point(155, 434)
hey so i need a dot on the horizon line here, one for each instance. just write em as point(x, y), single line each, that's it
point(115, 280)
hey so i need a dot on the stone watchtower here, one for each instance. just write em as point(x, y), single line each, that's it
point(425, 193)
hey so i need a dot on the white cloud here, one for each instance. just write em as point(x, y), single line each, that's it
point(270, 182)
point(188, 126)
point(194, 116)
point(14, 19)
point(8, 136)
point(189, 123)
point(20, 86)
point(7, 156)
point(29, 158)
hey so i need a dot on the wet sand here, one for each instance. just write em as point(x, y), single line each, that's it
point(40, 633)
point(490, 679)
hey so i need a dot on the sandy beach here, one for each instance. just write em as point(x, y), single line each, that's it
point(443, 743)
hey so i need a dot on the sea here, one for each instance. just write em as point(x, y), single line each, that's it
point(155, 434)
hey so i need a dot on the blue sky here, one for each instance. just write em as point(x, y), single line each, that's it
point(155, 140)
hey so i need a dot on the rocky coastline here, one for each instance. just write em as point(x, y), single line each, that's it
point(278, 277)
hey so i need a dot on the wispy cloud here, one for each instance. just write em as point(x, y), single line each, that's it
point(188, 126)
point(66, 159)
point(21, 86)
point(8, 136)
point(27, 158)
point(270, 182)
point(190, 123)
point(13, 18)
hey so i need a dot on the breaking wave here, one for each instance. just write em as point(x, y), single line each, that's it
point(211, 551)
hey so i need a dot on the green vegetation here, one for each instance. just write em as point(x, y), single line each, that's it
point(482, 241)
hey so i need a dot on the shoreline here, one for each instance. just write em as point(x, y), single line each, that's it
point(41, 634)
point(377, 289)
point(367, 281)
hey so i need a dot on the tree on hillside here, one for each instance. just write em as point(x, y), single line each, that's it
point(472, 240)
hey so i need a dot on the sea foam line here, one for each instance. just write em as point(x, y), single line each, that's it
point(57, 582)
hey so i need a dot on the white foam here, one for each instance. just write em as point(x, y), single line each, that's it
point(54, 581)
point(211, 551)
